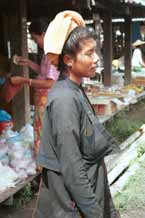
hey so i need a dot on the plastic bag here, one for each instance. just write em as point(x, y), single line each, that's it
point(5, 160)
point(31, 169)
point(27, 133)
point(9, 135)
point(3, 149)
point(8, 178)
point(4, 116)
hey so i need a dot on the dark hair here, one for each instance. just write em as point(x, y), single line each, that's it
point(73, 44)
point(142, 23)
point(38, 26)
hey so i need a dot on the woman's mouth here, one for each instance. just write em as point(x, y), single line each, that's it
point(93, 68)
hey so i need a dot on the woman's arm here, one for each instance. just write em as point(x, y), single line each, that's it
point(28, 63)
point(34, 66)
point(37, 83)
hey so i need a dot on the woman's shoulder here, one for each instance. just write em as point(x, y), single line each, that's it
point(62, 90)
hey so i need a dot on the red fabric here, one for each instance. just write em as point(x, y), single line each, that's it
point(4, 125)
point(9, 90)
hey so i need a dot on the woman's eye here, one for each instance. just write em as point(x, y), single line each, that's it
point(89, 54)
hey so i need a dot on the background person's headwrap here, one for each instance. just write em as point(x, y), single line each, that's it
point(58, 31)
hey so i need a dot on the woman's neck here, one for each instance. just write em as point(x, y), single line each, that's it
point(75, 78)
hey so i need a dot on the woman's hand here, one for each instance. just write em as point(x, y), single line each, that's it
point(21, 61)
point(18, 80)
point(24, 62)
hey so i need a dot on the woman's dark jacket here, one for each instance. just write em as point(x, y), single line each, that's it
point(73, 146)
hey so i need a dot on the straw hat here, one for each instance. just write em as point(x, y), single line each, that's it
point(138, 42)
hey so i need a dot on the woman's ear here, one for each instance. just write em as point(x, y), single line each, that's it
point(68, 60)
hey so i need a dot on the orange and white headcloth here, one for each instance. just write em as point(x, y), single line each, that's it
point(58, 31)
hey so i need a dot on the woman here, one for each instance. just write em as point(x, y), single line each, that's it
point(138, 64)
point(74, 143)
point(47, 75)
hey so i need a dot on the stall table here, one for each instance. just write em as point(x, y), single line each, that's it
point(11, 191)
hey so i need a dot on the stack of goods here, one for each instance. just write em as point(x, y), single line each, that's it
point(108, 100)
point(137, 88)
point(103, 105)
point(139, 81)
point(16, 155)
point(8, 178)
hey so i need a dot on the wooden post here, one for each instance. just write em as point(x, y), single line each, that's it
point(98, 30)
point(24, 50)
point(128, 49)
point(21, 102)
point(107, 53)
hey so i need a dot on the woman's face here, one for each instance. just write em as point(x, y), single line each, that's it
point(84, 64)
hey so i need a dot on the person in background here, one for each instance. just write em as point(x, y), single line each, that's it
point(74, 143)
point(138, 63)
point(47, 75)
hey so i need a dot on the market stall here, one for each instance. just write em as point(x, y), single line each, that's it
point(16, 153)
point(108, 101)
point(14, 18)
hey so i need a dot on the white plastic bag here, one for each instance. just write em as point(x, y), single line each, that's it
point(8, 178)
point(27, 133)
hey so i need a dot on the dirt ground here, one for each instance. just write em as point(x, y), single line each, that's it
point(136, 213)
point(26, 212)
point(137, 111)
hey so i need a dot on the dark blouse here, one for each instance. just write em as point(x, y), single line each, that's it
point(74, 144)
